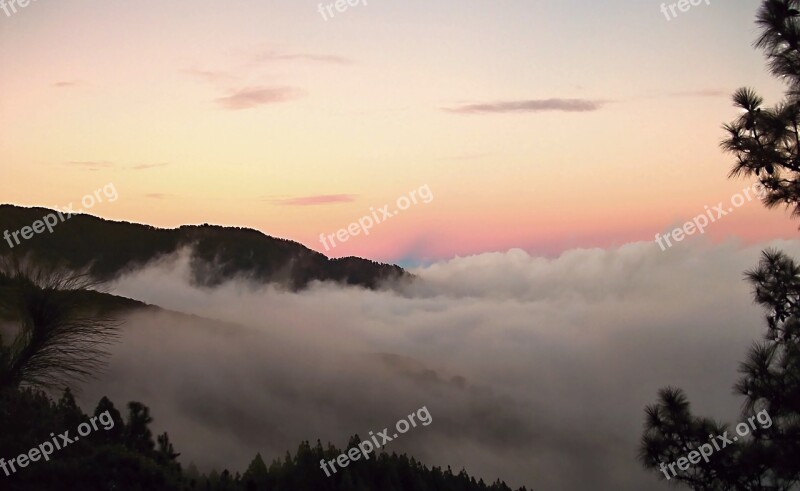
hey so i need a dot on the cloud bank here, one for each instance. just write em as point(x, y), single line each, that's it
point(535, 370)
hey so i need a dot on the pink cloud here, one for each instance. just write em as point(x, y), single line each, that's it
point(258, 96)
point(322, 199)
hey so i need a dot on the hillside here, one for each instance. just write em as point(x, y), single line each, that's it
point(109, 248)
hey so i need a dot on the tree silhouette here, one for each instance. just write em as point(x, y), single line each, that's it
point(59, 336)
point(766, 144)
point(115, 434)
point(770, 381)
point(138, 436)
point(766, 141)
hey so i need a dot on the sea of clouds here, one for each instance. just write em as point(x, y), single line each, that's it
point(535, 370)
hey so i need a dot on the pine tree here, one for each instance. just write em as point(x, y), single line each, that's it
point(766, 144)
point(138, 436)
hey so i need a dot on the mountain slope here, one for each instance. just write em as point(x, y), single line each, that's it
point(110, 248)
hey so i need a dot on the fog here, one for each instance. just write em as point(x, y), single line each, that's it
point(535, 370)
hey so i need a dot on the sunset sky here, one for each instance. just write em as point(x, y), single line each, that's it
point(536, 125)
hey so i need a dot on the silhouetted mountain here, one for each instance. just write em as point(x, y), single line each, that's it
point(109, 248)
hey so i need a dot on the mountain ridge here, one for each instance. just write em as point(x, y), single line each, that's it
point(109, 248)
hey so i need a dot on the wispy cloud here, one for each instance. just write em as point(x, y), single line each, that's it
point(466, 156)
point(149, 166)
point(701, 93)
point(157, 195)
point(96, 165)
point(68, 84)
point(258, 96)
point(90, 165)
point(237, 97)
point(530, 105)
point(321, 199)
point(312, 57)
point(216, 77)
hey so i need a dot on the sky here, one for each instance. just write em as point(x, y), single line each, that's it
point(543, 126)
